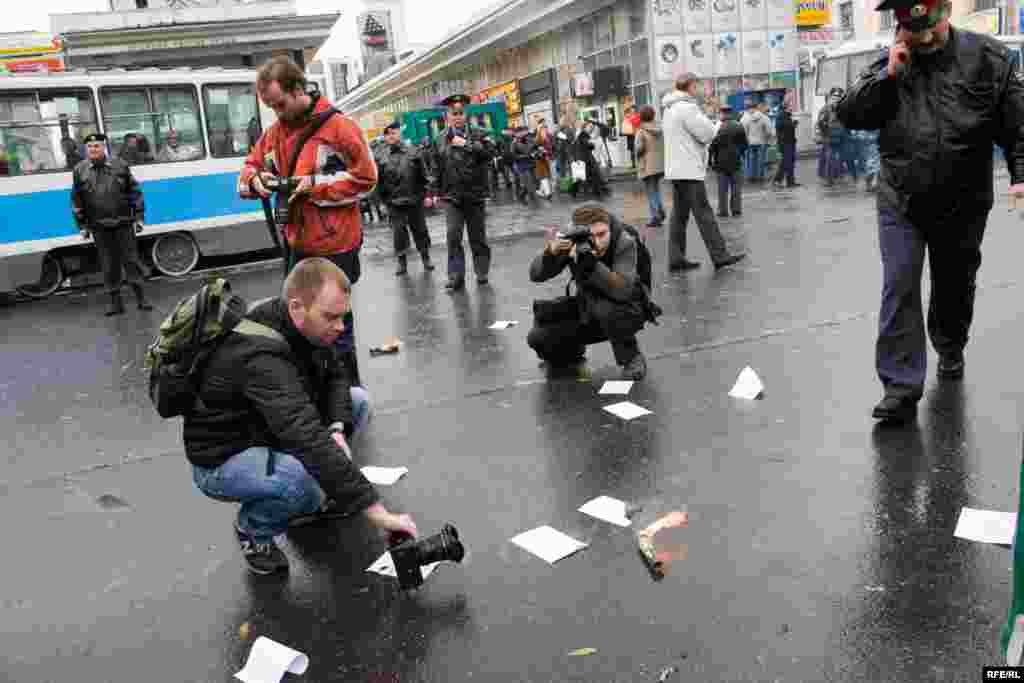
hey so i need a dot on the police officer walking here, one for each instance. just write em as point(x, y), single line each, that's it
point(107, 205)
point(941, 97)
point(401, 182)
point(460, 157)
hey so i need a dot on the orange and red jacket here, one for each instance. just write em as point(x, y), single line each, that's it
point(326, 221)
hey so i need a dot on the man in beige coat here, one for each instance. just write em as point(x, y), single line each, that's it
point(650, 154)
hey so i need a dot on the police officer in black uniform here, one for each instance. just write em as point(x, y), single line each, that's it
point(107, 205)
point(401, 184)
point(460, 157)
point(941, 97)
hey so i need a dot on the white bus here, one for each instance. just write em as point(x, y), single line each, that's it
point(192, 207)
point(842, 66)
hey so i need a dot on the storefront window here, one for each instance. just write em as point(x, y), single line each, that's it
point(587, 37)
point(637, 18)
point(640, 65)
point(603, 34)
point(620, 56)
point(232, 116)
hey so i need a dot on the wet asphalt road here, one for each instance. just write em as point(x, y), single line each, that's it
point(819, 547)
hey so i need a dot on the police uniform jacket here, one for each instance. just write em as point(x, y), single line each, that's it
point(256, 391)
point(938, 121)
point(105, 195)
point(401, 175)
point(461, 172)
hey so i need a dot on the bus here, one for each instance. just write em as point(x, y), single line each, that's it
point(192, 206)
point(840, 67)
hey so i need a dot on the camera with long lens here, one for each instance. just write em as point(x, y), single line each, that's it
point(412, 554)
point(581, 237)
point(282, 188)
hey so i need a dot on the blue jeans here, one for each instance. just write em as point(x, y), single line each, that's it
point(755, 161)
point(652, 184)
point(269, 502)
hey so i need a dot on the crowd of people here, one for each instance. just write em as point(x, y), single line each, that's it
point(844, 152)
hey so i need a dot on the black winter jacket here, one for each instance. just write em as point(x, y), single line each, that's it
point(256, 391)
point(461, 172)
point(401, 176)
point(938, 121)
point(785, 129)
point(728, 147)
point(105, 195)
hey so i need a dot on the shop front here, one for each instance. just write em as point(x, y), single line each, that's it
point(603, 96)
point(538, 94)
point(507, 94)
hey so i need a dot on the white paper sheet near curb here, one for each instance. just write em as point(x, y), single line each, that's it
point(627, 410)
point(748, 385)
point(548, 544)
point(384, 476)
point(269, 660)
point(503, 324)
point(607, 509)
point(616, 386)
point(385, 566)
point(986, 526)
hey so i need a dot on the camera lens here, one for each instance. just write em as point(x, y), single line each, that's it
point(442, 546)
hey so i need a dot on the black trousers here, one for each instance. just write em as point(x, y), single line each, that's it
point(730, 193)
point(691, 196)
point(787, 168)
point(471, 217)
point(406, 219)
point(119, 256)
point(603, 320)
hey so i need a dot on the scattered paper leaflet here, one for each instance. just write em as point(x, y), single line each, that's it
point(748, 385)
point(269, 660)
point(548, 544)
point(607, 509)
point(385, 566)
point(986, 526)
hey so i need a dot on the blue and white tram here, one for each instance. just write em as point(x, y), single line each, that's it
point(184, 132)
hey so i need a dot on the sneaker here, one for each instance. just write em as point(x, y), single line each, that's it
point(454, 284)
point(262, 558)
point(482, 280)
point(684, 265)
point(635, 369)
point(730, 261)
point(951, 365)
point(895, 409)
point(327, 512)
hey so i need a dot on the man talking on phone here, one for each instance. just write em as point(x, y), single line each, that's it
point(941, 98)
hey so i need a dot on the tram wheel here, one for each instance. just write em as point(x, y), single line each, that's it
point(175, 254)
point(51, 277)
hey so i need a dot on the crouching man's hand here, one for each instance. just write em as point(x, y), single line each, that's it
point(400, 525)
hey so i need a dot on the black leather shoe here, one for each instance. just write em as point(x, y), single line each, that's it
point(454, 284)
point(951, 365)
point(482, 280)
point(895, 409)
point(730, 261)
point(684, 265)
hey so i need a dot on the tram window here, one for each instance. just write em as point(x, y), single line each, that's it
point(147, 125)
point(232, 118)
point(42, 131)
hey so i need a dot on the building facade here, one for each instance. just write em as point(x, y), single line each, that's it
point(195, 33)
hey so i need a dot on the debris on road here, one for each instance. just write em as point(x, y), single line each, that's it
point(392, 345)
point(654, 560)
point(748, 385)
point(269, 661)
point(583, 652)
point(666, 673)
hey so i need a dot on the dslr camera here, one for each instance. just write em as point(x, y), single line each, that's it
point(412, 554)
point(282, 187)
point(581, 236)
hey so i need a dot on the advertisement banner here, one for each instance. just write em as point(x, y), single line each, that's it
point(668, 19)
point(813, 12)
point(782, 50)
point(752, 14)
point(727, 60)
point(697, 16)
point(698, 51)
point(668, 58)
point(507, 93)
point(778, 13)
point(725, 15)
point(755, 52)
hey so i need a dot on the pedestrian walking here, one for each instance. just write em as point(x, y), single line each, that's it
point(785, 134)
point(870, 162)
point(631, 123)
point(523, 153)
point(650, 153)
point(565, 138)
point(726, 156)
point(107, 205)
point(941, 97)
point(542, 162)
point(584, 151)
point(758, 128)
point(687, 136)
point(402, 183)
point(333, 170)
point(459, 159)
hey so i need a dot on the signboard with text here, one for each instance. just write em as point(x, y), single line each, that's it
point(507, 93)
point(813, 12)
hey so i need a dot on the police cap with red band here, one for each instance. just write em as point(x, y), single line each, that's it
point(915, 15)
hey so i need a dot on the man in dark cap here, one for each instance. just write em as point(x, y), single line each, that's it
point(107, 205)
point(401, 183)
point(941, 97)
point(460, 156)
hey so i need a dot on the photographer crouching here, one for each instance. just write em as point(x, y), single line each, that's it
point(611, 269)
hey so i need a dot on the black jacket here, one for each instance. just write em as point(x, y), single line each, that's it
point(938, 121)
point(256, 391)
point(728, 147)
point(461, 172)
point(583, 146)
point(401, 176)
point(785, 129)
point(105, 195)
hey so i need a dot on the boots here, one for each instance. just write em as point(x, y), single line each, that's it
point(403, 265)
point(116, 305)
point(140, 298)
point(425, 255)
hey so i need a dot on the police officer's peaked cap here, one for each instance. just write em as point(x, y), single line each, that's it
point(914, 15)
point(452, 100)
point(95, 137)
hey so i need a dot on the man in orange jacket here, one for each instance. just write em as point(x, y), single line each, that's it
point(335, 168)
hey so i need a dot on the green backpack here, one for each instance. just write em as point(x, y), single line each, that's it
point(187, 338)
